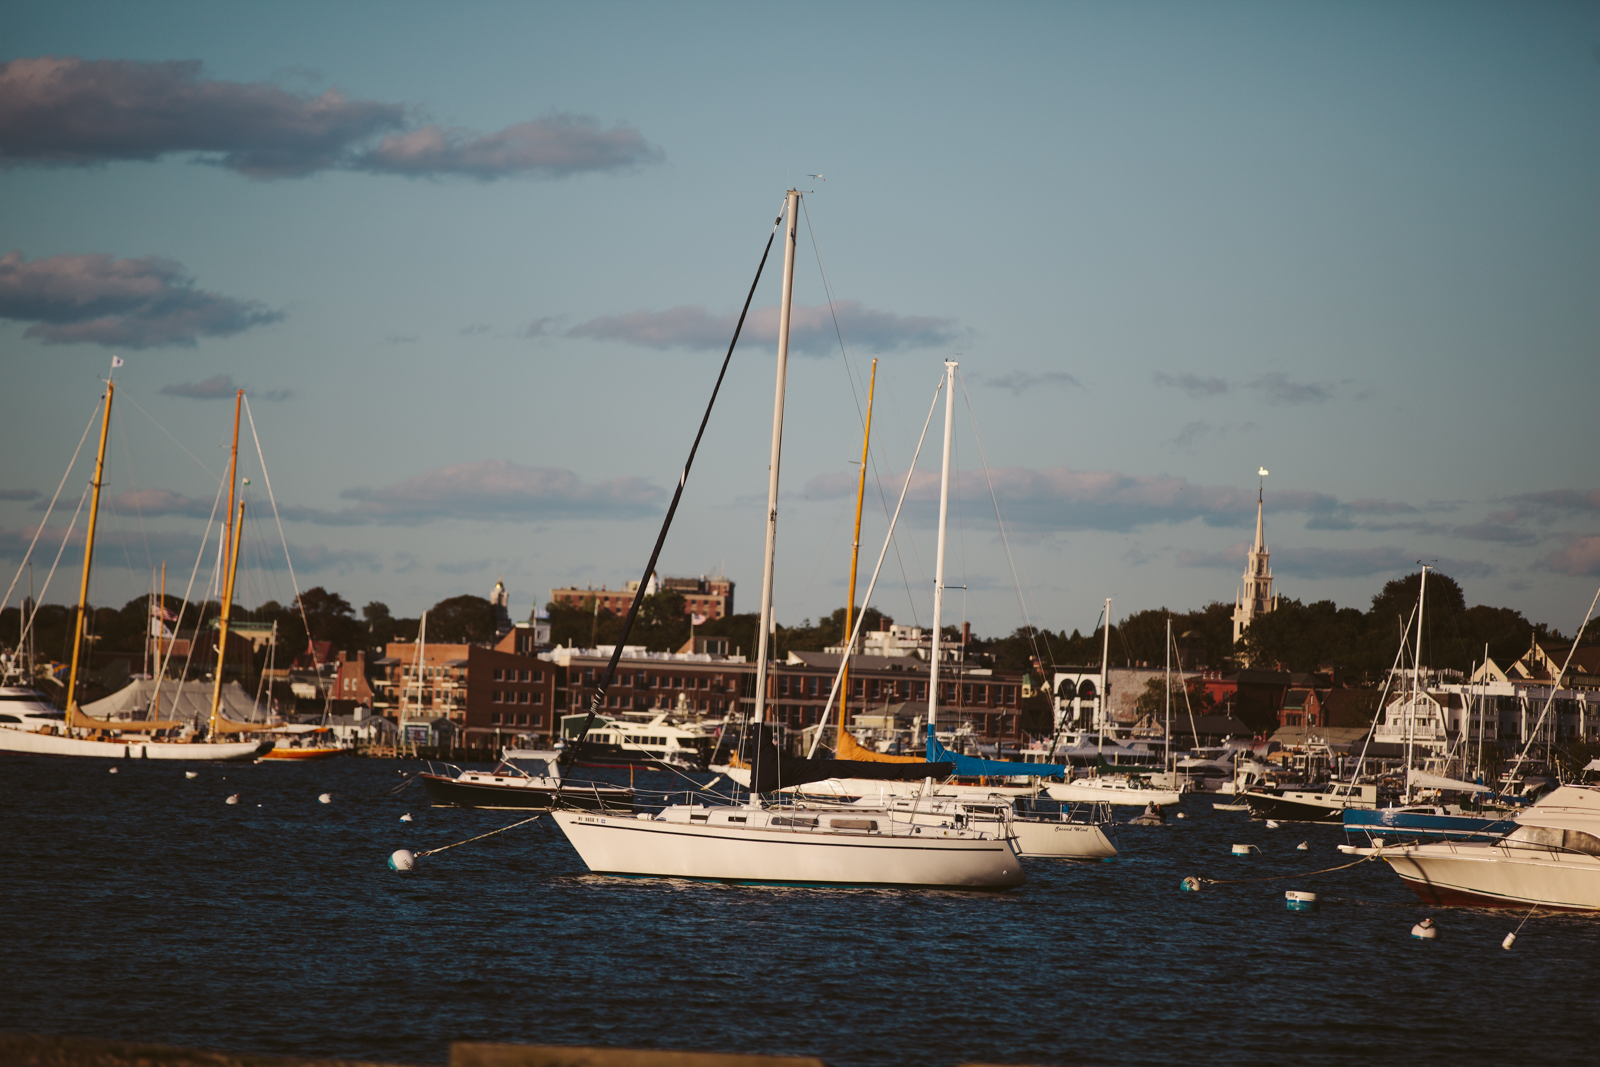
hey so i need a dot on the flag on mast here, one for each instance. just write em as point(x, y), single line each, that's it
point(116, 361)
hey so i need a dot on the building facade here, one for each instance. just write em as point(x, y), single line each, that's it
point(711, 597)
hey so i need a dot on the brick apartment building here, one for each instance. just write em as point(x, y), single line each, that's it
point(480, 697)
point(708, 596)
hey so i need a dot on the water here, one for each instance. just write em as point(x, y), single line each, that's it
point(140, 906)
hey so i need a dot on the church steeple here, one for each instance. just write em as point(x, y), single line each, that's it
point(1255, 597)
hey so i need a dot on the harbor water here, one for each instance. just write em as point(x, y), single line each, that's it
point(141, 906)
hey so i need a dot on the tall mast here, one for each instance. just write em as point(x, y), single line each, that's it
point(225, 560)
point(938, 559)
point(1416, 687)
point(792, 210)
point(855, 553)
point(222, 621)
point(1100, 705)
point(161, 629)
point(88, 557)
point(1170, 751)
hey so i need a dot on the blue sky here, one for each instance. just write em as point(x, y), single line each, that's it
point(474, 266)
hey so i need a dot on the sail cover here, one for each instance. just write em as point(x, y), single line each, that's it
point(851, 749)
point(974, 767)
point(774, 770)
point(1434, 781)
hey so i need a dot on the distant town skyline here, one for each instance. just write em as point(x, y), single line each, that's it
point(476, 270)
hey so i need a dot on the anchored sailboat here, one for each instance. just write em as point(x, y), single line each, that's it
point(791, 844)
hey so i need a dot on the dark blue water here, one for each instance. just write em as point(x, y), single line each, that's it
point(140, 906)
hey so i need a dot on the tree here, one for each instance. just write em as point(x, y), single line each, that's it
point(328, 617)
point(462, 620)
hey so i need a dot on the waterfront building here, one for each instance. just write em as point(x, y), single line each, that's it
point(711, 597)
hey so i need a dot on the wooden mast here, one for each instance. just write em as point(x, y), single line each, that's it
point(228, 563)
point(855, 554)
point(88, 558)
point(222, 621)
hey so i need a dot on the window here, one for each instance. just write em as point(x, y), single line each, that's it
point(811, 685)
point(783, 686)
point(499, 698)
point(700, 683)
point(527, 676)
point(538, 698)
point(499, 675)
point(522, 720)
point(522, 698)
point(859, 689)
point(875, 688)
point(494, 719)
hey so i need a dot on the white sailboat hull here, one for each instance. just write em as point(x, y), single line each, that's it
point(783, 856)
point(1061, 840)
point(1110, 791)
point(127, 748)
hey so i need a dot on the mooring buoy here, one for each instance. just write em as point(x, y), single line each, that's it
point(326, 798)
point(1425, 930)
point(402, 859)
point(1297, 900)
point(233, 799)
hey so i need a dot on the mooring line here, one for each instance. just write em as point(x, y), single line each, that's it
point(1279, 877)
point(480, 837)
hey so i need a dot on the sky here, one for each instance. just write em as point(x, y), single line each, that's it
point(476, 267)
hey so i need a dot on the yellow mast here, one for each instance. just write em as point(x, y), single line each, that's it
point(88, 557)
point(855, 554)
point(222, 623)
point(227, 576)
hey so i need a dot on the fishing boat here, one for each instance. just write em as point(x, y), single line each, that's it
point(78, 734)
point(758, 842)
point(1551, 859)
point(523, 780)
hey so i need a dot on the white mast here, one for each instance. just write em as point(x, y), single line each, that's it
point(1100, 704)
point(1416, 685)
point(772, 468)
point(938, 562)
point(1170, 751)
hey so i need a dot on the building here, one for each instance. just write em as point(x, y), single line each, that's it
point(711, 597)
point(491, 696)
point(1255, 596)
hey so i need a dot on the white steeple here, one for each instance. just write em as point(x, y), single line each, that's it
point(1255, 598)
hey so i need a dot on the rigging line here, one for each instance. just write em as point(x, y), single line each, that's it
point(46, 519)
point(294, 582)
point(164, 430)
point(850, 643)
point(598, 694)
point(1555, 683)
point(38, 600)
point(1005, 541)
point(177, 625)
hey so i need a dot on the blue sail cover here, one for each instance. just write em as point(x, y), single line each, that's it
point(973, 767)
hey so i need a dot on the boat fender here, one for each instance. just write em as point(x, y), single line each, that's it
point(191, 774)
point(1272, 824)
point(1245, 850)
point(234, 799)
point(1190, 884)
point(1425, 930)
point(1303, 846)
point(113, 770)
point(402, 859)
point(326, 798)
point(406, 817)
point(1295, 900)
point(645, 815)
point(1511, 939)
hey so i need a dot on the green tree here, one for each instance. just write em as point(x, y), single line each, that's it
point(462, 620)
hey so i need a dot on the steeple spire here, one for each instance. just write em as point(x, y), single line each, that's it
point(1255, 597)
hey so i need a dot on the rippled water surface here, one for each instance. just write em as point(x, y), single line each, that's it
point(141, 906)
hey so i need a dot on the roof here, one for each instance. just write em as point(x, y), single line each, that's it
point(1296, 736)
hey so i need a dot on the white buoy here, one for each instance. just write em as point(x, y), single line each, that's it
point(1425, 929)
point(191, 774)
point(326, 798)
point(402, 859)
point(1190, 884)
point(1297, 900)
point(1244, 850)
point(1272, 824)
point(1181, 815)
point(1511, 939)
point(1303, 846)
point(113, 770)
point(233, 799)
point(406, 817)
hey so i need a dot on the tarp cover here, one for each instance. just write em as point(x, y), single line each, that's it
point(974, 767)
point(851, 749)
point(774, 770)
point(1433, 781)
point(187, 702)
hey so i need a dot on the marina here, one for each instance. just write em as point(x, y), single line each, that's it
point(514, 940)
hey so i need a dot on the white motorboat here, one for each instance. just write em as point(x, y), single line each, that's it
point(1552, 859)
point(523, 780)
point(1113, 789)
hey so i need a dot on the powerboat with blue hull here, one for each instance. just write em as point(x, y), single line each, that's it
point(1431, 822)
point(523, 780)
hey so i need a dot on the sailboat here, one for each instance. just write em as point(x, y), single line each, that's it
point(785, 843)
point(78, 734)
point(1117, 787)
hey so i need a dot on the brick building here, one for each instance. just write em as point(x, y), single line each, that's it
point(709, 596)
point(488, 696)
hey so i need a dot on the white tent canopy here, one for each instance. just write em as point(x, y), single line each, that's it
point(187, 701)
point(1434, 781)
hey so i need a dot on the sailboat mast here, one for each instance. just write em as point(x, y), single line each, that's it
point(792, 209)
point(1170, 751)
point(222, 621)
point(855, 555)
point(88, 557)
point(1416, 679)
point(938, 559)
point(1100, 704)
point(161, 645)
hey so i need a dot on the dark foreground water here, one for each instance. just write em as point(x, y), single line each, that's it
point(140, 906)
